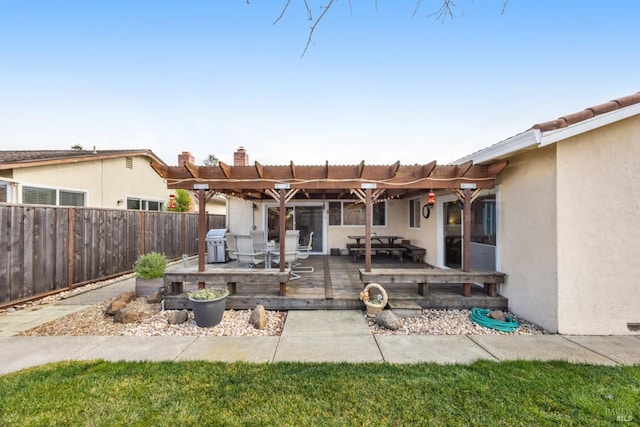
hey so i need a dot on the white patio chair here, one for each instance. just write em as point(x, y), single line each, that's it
point(258, 240)
point(290, 253)
point(231, 245)
point(245, 252)
point(303, 253)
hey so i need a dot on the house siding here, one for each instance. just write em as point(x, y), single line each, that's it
point(527, 236)
point(106, 180)
point(598, 232)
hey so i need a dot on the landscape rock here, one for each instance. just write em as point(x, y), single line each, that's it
point(388, 319)
point(114, 306)
point(178, 317)
point(498, 315)
point(155, 298)
point(127, 297)
point(125, 315)
point(258, 317)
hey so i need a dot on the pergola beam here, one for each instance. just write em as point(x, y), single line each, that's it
point(259, 170)
point(225, 168)
point(326, 181)
point(466, 181)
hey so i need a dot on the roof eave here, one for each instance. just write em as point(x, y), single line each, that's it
point(535, 138)
point(556, 135)
point(523, 141)
point(89, 157)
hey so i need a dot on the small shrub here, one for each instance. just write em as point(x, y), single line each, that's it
point(151, 265)
point(208, 294)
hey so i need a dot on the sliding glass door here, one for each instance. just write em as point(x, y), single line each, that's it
point(306, 218)
point(483, 233)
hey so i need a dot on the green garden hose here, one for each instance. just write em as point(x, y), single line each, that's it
point(481, 317)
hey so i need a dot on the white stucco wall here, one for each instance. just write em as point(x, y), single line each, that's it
point(105, 181)
point(527, 236)
point(598, 230)
point(239, 216)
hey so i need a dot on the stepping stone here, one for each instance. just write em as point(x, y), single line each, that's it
point(405, 308)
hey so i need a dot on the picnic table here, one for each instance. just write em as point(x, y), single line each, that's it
point(386, 244)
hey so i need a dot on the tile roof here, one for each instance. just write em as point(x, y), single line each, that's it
point(588, 113)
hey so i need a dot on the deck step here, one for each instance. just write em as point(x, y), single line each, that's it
point(405, 308)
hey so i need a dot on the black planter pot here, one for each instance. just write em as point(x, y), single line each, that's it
point(208, 313)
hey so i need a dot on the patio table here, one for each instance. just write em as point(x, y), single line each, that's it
point(390, 240)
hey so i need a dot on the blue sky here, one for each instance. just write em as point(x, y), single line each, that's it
point(377, 84)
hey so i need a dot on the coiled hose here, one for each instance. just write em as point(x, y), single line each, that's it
point(481, 317)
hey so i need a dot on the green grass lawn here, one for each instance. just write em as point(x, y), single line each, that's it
point(208, 393)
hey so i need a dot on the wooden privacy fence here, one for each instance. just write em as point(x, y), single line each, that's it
point(47, 249)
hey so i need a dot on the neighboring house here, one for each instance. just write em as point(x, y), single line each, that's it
point(121, 179)
point(217, 205)
point(568, 212)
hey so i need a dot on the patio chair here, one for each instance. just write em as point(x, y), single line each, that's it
point(290, 253)
point(231, 245)
point(258, 240)
point(245, 252)
point(303, 253)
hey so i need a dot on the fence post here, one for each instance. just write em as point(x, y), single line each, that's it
point(184, 233)
point(70, 247)
point(142, 232)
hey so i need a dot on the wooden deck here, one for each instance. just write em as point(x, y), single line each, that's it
point(335, 284)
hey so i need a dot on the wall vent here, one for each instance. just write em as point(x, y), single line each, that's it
point(129, 161)
point(634, 327)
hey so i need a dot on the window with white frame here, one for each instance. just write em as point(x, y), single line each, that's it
point(140, 204)
point(71, 198)
point(414, 213)
point(38, 196)
point(354, 213)
point(52, 196)
point(4, 192)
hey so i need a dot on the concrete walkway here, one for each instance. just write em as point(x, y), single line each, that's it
point(308, 336)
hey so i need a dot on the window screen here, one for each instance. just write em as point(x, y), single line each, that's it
point(38, 196)
point(71, 198)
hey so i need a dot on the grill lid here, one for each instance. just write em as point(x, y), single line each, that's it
point(216, 233)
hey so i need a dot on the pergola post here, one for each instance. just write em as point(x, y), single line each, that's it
point(283, 225)
point(202, 233)
point(367, 230)
point(466, 238)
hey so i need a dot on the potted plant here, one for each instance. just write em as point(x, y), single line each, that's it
point(149, 269)
point(374, 302)
point(208, 306)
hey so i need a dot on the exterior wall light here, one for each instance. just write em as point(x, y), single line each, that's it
point(431, 201)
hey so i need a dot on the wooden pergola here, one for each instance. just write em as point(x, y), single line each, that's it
point(367, 183)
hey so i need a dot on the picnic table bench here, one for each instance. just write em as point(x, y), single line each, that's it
point(376, 248)
point(174, 279)
point(415, 252)
point(422, 277)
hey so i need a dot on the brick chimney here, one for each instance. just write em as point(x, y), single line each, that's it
point(185, 157)
point(240, 157)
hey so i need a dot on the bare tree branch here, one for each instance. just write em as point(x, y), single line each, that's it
point(284, 9)
point(306, 5)
point(444, 12)
point(416, 8)
point(504, 7)
point(315, 25)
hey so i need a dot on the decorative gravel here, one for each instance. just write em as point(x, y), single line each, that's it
point(94, 321)
point(450, 322)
